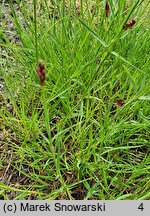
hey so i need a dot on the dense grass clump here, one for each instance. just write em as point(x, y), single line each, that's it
point(75, 111)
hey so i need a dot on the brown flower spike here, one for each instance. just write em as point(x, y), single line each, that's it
point(129, 24)
point(41, 72)
point(107, 9)
point(120, 102)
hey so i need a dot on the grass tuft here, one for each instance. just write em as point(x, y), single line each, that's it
point(76, 125)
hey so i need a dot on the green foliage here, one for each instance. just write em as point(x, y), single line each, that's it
point(85, 133)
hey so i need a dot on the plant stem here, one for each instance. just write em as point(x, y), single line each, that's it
point(35, 30)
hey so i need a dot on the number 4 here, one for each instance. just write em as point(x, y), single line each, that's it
point(141, 207)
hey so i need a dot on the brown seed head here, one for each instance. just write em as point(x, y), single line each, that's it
point(107, 9)
point(129, 24)
point(120, 102)
point(41, 72)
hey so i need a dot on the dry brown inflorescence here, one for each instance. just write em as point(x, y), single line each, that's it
point(41, 72)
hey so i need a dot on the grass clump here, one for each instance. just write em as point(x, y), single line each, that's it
point(83, 133)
